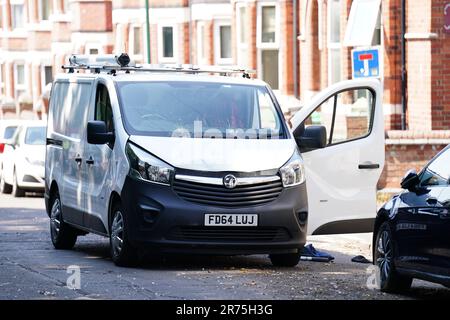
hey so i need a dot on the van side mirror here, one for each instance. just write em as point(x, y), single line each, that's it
point(312, 137)
point(97, 133)
point(410, 180)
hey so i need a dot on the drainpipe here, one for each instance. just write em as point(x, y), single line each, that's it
point(295, 45)
point(403, 62)
point(147, 24)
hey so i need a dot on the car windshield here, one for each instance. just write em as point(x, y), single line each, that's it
point(9, 132)
point(200, 110)
point(35, 136)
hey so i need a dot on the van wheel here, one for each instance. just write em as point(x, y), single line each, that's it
point(122, 252)
point(63, 235)
point(285, 260)
point(390, 279)
point(16, 191)
point(4, 187)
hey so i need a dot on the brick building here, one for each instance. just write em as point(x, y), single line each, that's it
point(298, 46)
point(36, 37)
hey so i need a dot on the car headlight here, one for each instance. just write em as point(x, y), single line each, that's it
point(146, 167)
point(293, 172)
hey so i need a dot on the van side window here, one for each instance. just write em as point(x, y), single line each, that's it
point(58, 101)
point(76, 106)
point(103, 109)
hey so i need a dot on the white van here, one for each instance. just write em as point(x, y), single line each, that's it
point(174, 159)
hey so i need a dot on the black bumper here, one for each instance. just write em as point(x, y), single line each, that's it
point(159, 220)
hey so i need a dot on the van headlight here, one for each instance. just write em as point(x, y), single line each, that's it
point(146, 167)
point(293, 172)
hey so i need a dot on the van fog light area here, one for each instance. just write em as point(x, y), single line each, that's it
point(302, 217)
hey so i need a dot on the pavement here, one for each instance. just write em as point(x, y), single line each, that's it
point(31, 269)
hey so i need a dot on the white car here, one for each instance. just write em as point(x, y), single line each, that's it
point(174, 159)
point(7, 130)
point(24, 159)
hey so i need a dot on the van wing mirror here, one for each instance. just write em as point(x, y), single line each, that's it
point(410, 180)
point(97, 133)
point(312, 137)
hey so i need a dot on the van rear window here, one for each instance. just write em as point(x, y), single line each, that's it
point(9, 132)
point(200, 110)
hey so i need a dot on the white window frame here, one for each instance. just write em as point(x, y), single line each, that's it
point(22, 87)
point(43, 84)
point(200, 47)
point(161, 58)
point(217, 42)
point(259, 43)
point(136, 56)
point(261, 46)
point(2, 81)
point(89, 46)
point(40, 10)
point(332, 45)
point(24, 13)
point(241, 44)
point(120, 43)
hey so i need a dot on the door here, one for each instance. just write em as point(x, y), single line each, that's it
point(341, 177)
point(98, 161)
point(75, 97)
point(431, 242)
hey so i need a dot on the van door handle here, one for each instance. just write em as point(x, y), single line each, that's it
point(90, 161)
point(78, 160)
point(363, 166)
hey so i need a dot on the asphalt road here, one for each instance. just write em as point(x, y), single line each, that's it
point(31, 269)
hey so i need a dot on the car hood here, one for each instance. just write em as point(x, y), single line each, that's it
point(240, 155)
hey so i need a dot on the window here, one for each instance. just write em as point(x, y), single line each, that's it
point(93, 51)
point(17, 16)
point(1, 15)
point(172, 107)
point(438, 171)
point(45, 9)
point(103, 109)
point(334, 41)
point(35, 136)
point(167, 42)
point(223, 43)
point(268, 47)
point(137, 36)
point(241, 26)
point(66, 6)
point(201, 48)
point(58, 100)
point(75, 108)
point(346, 116)
point(19, 76)
point(47, 75)
point(362, 24)
point(268, 24)
point(2, 82)
point(9, 132)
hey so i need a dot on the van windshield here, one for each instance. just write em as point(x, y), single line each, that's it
point(199, 110)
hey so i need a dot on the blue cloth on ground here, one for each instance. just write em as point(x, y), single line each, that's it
point(310, 251)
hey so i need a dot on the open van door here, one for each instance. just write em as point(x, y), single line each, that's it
point(341, 136)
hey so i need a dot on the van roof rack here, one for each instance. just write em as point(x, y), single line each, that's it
point(113, 63)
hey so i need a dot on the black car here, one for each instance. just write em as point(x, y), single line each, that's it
point(411, 236)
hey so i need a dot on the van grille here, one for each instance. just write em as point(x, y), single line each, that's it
point(233, 234)
point(219, 196)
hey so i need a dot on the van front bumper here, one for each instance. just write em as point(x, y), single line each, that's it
point(159, 220)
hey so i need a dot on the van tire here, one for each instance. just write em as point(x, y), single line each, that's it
point(63, 235)
point(17, 192)
point(285, 260)
point(5, 187)
point(123, 253)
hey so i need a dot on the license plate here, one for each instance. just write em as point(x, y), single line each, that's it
point(231, 220)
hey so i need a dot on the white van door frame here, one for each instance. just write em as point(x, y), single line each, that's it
point(341, 178)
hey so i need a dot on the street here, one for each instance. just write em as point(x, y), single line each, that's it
point(32, 269)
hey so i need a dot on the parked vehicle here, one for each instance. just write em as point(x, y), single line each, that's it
point(411, 234)
point(174, 159)
point(7, 130)
point(24, 159)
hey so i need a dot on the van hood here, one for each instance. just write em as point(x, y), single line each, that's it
point(239, 155)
